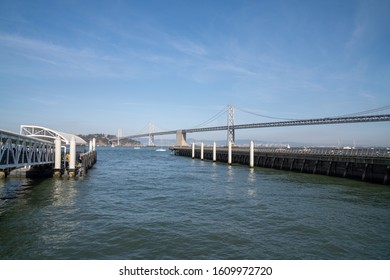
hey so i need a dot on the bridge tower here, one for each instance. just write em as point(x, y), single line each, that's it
point(230, 125)
point(151, 135)
point(119, 135)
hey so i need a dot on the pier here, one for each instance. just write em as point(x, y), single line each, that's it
point(40, 152)
point(368, 164)
point(45, 149)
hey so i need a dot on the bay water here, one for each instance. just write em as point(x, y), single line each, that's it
point(143, 204)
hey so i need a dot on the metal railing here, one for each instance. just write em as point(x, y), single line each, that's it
point(18, 151)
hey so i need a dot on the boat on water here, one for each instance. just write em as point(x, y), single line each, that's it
point(137, 148)
point(161, 149)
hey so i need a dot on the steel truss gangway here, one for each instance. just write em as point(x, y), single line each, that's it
point(319, 121)
point(17, 151)
point(48, 134)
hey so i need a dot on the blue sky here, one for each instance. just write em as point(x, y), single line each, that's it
point(97, 66)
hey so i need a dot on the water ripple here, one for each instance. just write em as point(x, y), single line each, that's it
point(147, 205)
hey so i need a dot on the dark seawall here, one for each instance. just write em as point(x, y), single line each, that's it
point(363, 165)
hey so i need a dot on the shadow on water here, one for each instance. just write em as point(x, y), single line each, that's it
point(13, 188)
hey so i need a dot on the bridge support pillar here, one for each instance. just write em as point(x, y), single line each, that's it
point(202, 151)
point(193, 150)
point(181, 138)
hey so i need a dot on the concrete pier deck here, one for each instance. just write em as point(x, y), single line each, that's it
point(370, 165)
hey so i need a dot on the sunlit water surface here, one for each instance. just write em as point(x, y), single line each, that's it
point(143, 204)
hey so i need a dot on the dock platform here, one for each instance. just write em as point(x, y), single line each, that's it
point(370, 165)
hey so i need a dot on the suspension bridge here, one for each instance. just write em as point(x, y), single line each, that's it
point(366, 164)
point(231, 127)
point(40, 147)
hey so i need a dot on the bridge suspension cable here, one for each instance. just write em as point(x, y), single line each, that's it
point(285, 122)
point(375, 110)
point(361, 113)
point(213, 118)
point(264, 116)
point(338, 120)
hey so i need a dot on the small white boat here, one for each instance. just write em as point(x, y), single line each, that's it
point(137, 148)
point(161, 149)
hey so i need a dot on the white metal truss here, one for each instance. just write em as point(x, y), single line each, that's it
point(49, 134)
point(19, 151)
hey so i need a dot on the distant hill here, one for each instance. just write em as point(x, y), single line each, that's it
point(107, 139)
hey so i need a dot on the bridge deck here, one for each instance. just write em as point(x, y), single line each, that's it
point(303, 122)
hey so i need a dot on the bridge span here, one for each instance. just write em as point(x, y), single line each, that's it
point(181, 134)
point(371, 165)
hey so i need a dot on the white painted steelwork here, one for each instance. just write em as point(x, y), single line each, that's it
point(45, 133)
point(18, 151)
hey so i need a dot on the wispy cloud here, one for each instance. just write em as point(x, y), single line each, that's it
point(369, 96)
point(67, 61)
point(25, 46)
point(188, 47)
point(33, 45)
point(357, 33)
